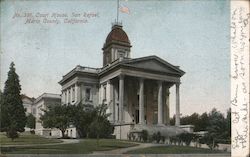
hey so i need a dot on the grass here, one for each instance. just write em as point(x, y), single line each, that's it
point(26, 139)
point(173, 150)
point(85, 146)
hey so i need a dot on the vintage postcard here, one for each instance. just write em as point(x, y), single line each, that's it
point(124, 78)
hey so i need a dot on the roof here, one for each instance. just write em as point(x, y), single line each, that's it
point(80, 69)
point(23, 96)
point(160, 66)
point(134, 63)
point(48, 95)
point(117, 35)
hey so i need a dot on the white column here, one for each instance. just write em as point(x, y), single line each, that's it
point(112, 101)
point(63, 97)
point(121, 97)
point(160, 108)
point(100, 94)
point(141, 102)
point(67, 96)
point(115, 103)
point(71, 94)
point(177, 115)
point(76, 88)
point(108, 98)
point(79, 92)
point(82, 92)
point(167, 107)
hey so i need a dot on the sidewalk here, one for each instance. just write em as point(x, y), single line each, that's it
point(124, 150)
point(64, 141)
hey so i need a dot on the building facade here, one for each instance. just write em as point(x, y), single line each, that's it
point(136, 90)
point(28, 104)
point(41, 104)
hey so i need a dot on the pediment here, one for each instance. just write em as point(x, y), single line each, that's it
point(154, 63)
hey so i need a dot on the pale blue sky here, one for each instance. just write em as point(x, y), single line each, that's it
point(192, 34)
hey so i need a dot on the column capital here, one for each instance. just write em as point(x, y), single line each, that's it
point(159, 82)
point(121, 76)
point(177, 83)
point(141, 79)
point(109, 81)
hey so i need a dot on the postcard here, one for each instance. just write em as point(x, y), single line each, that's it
point(124, 78)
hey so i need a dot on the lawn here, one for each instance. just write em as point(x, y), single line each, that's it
point(85, 146)
point(26, 139)
point(173, 150)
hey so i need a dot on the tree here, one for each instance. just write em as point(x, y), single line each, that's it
point(31, 121)
point(91, 121)
point(57, 116)
point(202, 123)
point(1, 115)
point(82, 116)
point(186, 120)
point(209, 139)
point(100, 126)
point(228, 125)
point(216, 128)
point(1, 96)
point(13, 118)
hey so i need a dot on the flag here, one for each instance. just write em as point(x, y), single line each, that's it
point(124, 9)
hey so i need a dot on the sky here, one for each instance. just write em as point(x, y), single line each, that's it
point(194, 35)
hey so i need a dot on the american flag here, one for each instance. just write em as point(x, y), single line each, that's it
point(124, 9)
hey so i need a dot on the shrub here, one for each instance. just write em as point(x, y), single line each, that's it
point(154, 137)
point(32, 132)
point(12, 134)
point(210, 141)
point(174, 140)
point(186, 138)
point(158, 137)
point(163, 139)
point(144, 135)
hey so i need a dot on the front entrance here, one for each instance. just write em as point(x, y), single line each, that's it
point(136, 116)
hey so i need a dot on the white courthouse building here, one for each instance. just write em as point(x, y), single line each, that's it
point(136, 90)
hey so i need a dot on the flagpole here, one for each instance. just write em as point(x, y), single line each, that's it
point(117, 11)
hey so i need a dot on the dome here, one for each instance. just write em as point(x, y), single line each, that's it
point(117, 34)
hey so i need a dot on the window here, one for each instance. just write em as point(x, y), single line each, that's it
point(108, 58)
point(73, 94)
point(104, 93)
point(69, 96)
point(65, 97)
point(121, 54)
point(87, 94)
point(34, 111)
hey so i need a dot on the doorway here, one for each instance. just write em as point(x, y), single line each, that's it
point(136, 116)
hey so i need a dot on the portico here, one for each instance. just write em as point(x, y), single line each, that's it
point(136, 96)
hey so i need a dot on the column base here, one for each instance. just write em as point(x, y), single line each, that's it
point(160, 124)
